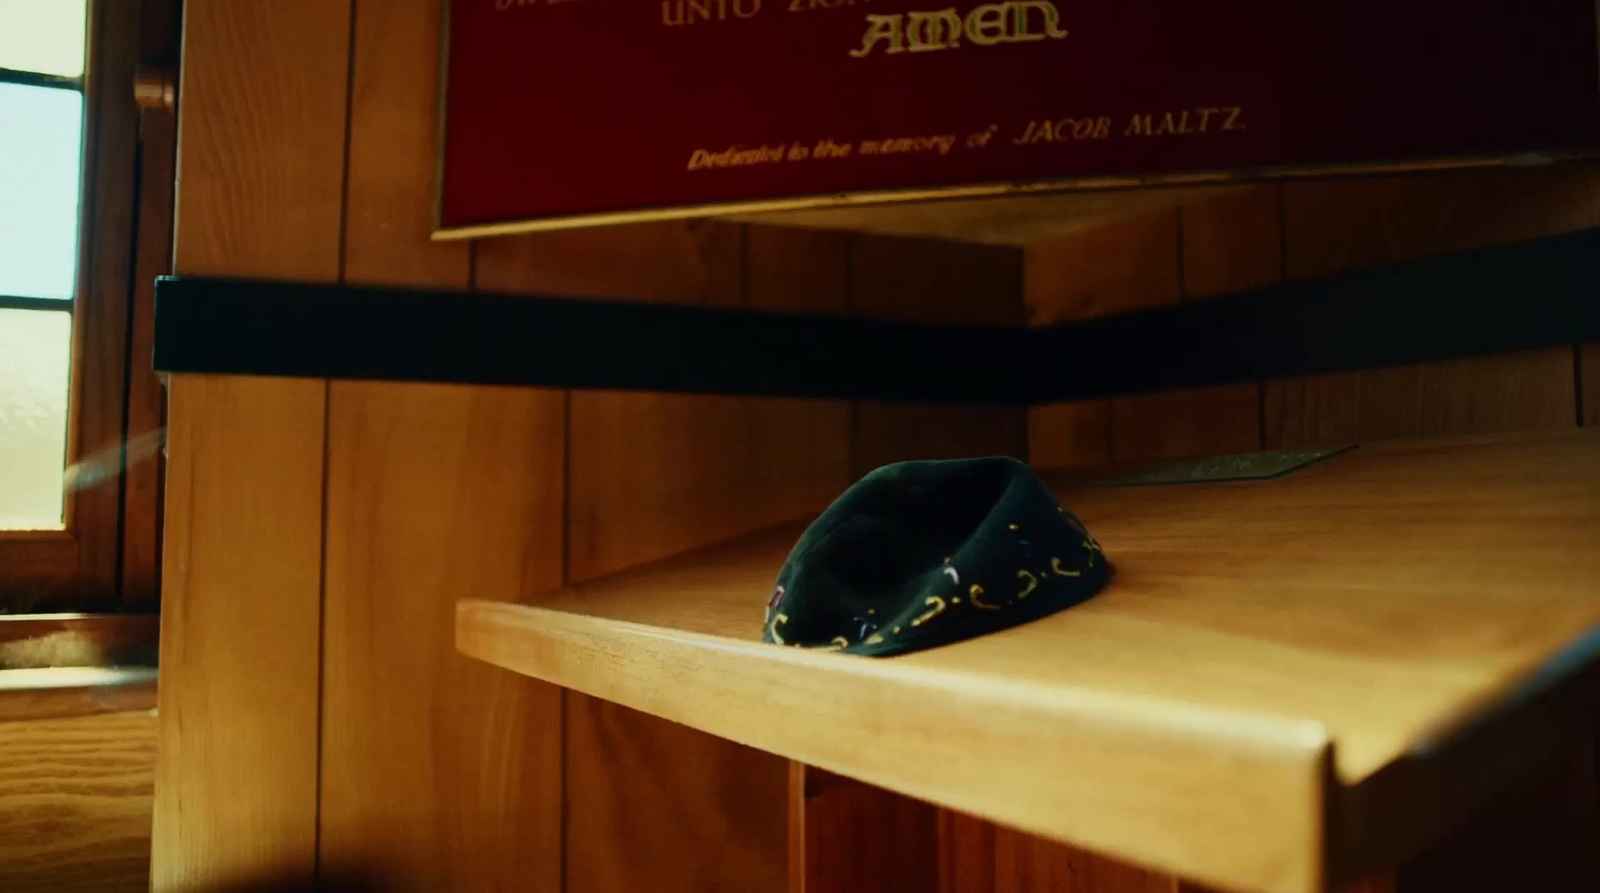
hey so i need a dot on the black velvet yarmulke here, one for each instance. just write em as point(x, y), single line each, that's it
point(920, 554)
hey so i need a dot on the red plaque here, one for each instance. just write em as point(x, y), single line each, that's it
point(568, 111)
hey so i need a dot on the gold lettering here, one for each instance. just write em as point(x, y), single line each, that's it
point(921, 32)
point(671, 12)
point(880, 27)
point(1139, 126)
point(1166, 124)
point(1047, 11)
point(986, 25)
point(1102, 127)
point(1233, 116)
point(928, 31)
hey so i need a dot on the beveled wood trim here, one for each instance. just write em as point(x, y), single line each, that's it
point(37, 641)
point(69, 692)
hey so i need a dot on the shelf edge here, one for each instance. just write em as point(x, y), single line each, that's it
point(1232, 800)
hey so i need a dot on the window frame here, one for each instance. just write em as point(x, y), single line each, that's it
point(124, 241)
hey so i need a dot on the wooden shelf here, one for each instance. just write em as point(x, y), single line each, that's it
point(1289, 681)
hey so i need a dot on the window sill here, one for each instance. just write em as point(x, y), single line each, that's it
point(68, 692)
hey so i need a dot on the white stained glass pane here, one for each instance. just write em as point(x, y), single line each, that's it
point(41, 135)
point(35, 359)
point(46, 36)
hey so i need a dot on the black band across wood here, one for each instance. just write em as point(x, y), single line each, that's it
point(1509, 297)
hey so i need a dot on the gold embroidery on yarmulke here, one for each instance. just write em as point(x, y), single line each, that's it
point(1033, 583)
point(938, 608)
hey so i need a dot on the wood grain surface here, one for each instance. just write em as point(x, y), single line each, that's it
point(67, 692)
point(438, 773)
point(1256, 637)
point(696, 262)
point(933, 281)
point(75, 799)
point(261, 173)
point(1028, 864)
point(1334, 226)
point(863, 839)
point(797, 270)
point(388, 212)
point(1220, 240)
point(1070, 435)
point(1231, 240)
point(654, 805)
point(1589, 382)
point(650, 475)
point(929, 281)
point(160, 29)
point(1215, 421)
point(966, 853)
point(236, 784)
point(1123, 266)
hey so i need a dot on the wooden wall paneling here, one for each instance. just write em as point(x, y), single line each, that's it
point(966, 853)
point(1121, 266)
point(894, 277)
point(389, 184)
point(1231, 240)
point(797, 270)
point(439, 773)
point(1589, 382)
point(1333, 226)
point(652, 805)
point(1227, 241)
point(236, 782)
point(1161, 257)
point(688, 262)
point(1214, 421)
point(1070, 435)
point(1529, 390)
point(863, 839)
point(894, 432)
point(657, 474)
point(75, 799)
point(1028, 864)
point(260, 183)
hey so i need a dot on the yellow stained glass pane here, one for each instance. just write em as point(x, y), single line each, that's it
point(35, 355)
point(46, 36)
